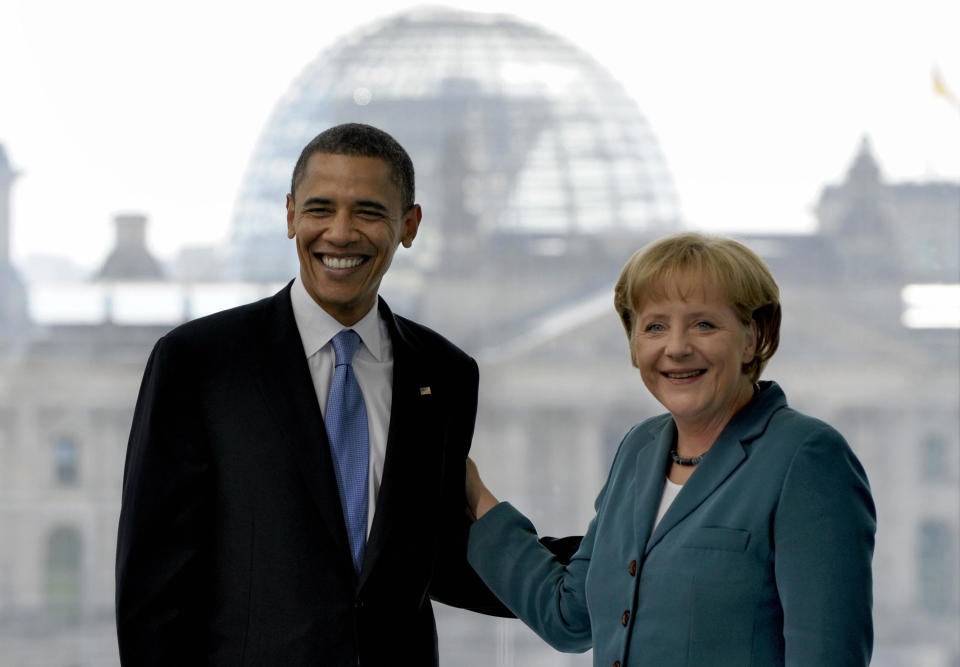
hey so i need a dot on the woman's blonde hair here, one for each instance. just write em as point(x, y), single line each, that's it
point(741, 277)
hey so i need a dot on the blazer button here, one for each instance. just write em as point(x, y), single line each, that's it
point(625, 618)
point(633, 567)
point(616, 663)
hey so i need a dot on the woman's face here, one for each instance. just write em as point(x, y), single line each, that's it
point(691, 351)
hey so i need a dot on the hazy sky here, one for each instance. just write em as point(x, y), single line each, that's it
point(110, 106)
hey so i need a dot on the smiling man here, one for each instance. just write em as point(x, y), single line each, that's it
point(348, 214)
point(293, 491)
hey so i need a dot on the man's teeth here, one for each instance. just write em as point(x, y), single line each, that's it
point(341, 262)
point(680, 376)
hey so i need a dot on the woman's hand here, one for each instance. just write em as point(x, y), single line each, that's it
point(479, 498)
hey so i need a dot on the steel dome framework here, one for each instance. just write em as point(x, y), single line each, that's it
point(514, 132)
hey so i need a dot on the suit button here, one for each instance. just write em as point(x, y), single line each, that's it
point(625, 618)
point(358, 604)
point(616, 663)
point(633, 567)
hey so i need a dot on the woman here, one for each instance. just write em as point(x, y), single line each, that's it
point(731, 531)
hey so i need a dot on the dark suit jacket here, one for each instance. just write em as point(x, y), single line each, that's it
point(763, 559)
point(232, 548)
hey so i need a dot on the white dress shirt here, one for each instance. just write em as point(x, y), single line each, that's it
point(372, 366)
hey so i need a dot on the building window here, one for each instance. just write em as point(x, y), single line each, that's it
point(934, 459)
point(66, 461)
point(62, 580)
point(936, 563)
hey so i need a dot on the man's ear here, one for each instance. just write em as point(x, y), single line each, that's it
point(291, 209)
point(411, 223)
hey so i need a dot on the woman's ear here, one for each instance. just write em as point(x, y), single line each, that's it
point(750, 349)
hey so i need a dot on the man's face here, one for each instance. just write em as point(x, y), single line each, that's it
point(347, 219)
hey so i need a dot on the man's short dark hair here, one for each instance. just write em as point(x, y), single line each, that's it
point(361, 140)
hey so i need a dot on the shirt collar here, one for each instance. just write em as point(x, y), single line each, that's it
point(317, 327)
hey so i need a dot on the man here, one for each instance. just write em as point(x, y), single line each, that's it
point(253, 531)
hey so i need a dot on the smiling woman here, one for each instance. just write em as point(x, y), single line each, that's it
point(703, 318)
point(732, 530)
point(691, 353)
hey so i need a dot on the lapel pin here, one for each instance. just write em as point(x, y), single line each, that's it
point(424, 391)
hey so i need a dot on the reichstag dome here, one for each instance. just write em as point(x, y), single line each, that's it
point(524, 147)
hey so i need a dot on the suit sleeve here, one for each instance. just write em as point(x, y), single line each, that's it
point(824, 530)
point(162, 600)
point(454, 582)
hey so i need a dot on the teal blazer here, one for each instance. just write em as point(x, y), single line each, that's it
point(763, 559)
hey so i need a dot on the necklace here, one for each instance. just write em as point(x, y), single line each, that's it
point(682, 461)
point(694, 460)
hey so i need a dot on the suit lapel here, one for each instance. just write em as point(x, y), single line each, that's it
point(412, 451)
point(724, 457)
point(287, 387)
point(650, 474)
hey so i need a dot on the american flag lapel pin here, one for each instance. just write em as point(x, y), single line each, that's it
point(425, 391)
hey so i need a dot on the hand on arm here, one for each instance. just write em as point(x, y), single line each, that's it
point(479, 499)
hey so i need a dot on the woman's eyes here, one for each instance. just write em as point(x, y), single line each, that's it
point(656, 327)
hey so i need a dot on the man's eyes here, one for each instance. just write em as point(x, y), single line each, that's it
point(364, 214)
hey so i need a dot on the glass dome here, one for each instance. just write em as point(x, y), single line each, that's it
point(515, 134)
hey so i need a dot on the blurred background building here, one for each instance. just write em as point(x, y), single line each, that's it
point(538, 178)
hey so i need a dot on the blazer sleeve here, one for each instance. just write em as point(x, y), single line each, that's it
point(454, 581)
point(162, 600)
point(531, 581)
point(824, 528)
point(538, 580)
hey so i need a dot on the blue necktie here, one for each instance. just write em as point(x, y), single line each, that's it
point(346, 422)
